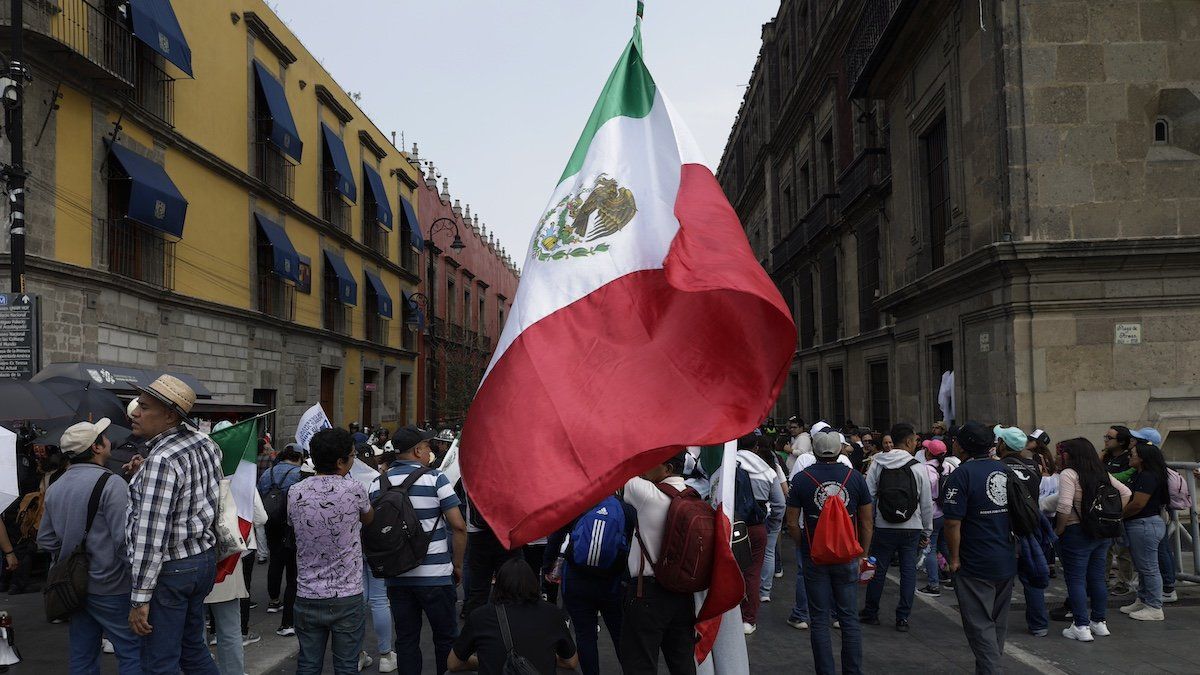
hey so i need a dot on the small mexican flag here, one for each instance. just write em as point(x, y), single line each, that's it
point(239, 462)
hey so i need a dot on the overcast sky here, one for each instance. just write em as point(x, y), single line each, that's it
point(496, 92)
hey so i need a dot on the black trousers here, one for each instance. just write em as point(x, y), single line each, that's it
point(283, 560)
point(247, 572)
point(660, 620)
point(484, 556)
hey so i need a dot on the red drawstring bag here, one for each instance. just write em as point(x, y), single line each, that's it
point(836, 539)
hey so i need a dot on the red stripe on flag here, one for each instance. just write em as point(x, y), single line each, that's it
point(726, 591)
point(610, 385)
point(229, 564)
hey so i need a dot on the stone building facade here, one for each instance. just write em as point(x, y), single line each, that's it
point(1005, 190)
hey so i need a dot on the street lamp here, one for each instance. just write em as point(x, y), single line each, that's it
point(440, 225)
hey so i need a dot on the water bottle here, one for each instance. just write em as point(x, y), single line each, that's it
point(866, 570)
point(555, 574)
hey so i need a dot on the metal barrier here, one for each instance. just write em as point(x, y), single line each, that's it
point(1185, 470)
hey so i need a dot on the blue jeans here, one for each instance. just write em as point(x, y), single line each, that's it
point(834, 588)
point(1145, 534)
point(584, 596)
point(1166, 562)
point(884, 543)
point(375, 595)
point(800, 609)
point(1037, 617)
point(437, 603)
point(177, 614)
point(931, 551)
point(767, 578)
point(1084, 567)
point(227, 624)
point(103, 615)
point(319, 620)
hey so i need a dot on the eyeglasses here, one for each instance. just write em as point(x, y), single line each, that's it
point(1109, 437)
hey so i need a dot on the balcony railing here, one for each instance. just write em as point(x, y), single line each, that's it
point(792, 243)
point(272, 168)
point(334, 208)
point(374, 236)
point(861, 176)
point(154, 90)
point(334, 314)
point(820, 217)
point(103, 42)
point(376, 328)
point(876, 29)
point(138, 252)
point(275, 297)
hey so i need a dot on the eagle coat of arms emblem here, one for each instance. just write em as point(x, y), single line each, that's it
point(571, 228)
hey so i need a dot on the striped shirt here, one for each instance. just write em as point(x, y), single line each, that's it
point(432, 495)
point(172, 504)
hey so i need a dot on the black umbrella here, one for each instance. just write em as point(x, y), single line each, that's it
point(93, 403)
point(51, 432)
point(30, 401)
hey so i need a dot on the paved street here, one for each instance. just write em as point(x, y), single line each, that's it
point(935, 644)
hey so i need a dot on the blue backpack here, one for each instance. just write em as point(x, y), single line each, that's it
point(745, 507)
point(598, 538)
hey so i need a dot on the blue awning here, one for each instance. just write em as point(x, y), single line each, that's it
point(154, 23)
point(287, 261)
point(383, 301)
point(154, 200)
point(414, 227)
point(283, 127)
point(347, 286)
point(341, 162)
point(383, 208)
point(413, 313)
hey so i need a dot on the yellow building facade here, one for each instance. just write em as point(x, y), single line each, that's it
point(205, 199)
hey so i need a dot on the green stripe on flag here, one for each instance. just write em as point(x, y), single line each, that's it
point(629, 92)
point(238, 443)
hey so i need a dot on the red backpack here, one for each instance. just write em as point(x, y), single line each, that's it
point(835, 541)
point(689, 541)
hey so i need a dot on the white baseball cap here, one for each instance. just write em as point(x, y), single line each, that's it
point(78, 438)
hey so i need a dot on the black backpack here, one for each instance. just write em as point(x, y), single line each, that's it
point(275, 500)
point(395, 541)
point(514, 663)
point(66, 586)
point(897, 496)
point(1023, 514)
point(1101, 517)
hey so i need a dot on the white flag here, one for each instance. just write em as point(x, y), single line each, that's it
point(312, 421)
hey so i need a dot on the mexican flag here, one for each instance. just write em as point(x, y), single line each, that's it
point(642, 323)
point(239, 462)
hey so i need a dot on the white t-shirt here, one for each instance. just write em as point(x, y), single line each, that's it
point(805, 461)
point(651, 506)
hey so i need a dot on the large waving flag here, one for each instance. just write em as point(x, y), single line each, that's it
point(239, 462)
point(642, 323)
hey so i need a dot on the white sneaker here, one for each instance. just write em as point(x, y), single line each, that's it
point(1130, 609)
point(1080, 633)
point(106, 646)
point(1100, 628)
point(764, 598)
point(1148, 614)
point(364, 660)
point(749, 628)
point(1173, 596)
point(387, 662)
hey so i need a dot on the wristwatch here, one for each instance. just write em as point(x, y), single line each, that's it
point(137, 605)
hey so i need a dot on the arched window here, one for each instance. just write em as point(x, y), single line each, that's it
point(1162, 131)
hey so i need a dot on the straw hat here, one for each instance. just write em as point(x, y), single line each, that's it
point(173, 393)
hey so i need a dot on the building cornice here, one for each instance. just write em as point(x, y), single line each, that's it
point(261, 31)
point(370, 144)
point(327, 98)
point(94, 279)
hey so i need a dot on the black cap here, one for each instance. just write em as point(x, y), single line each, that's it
point(975, 438)
point(404, 439)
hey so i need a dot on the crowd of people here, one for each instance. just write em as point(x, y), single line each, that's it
point(973, 508)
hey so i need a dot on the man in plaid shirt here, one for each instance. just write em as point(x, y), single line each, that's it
point(173, 504)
